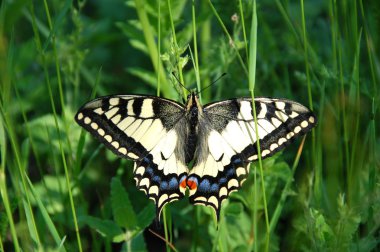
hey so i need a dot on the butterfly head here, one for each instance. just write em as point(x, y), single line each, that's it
point(193, 101)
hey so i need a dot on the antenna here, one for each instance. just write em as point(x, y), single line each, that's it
point(212, 83)
point(180, 82)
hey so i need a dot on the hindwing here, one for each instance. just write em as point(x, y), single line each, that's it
point(147, 130)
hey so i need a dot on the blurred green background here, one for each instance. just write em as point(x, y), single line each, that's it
point(62, 190)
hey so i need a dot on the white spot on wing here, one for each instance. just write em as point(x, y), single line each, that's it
point(114, 101)
point(293, 114)
point(144, 182)
point(99, 111)
point(101, 132)
point(123, 150)
point(147, 109)
point(201, 198)
point(252, 158)
point(87, 120)
point(132, 155)
point(289, 135)
point(162, 199)
point(115, 144)
point(140, 170)
point(130, 108)
point(280, 105)
point(264, 153)
point(222, 191)
point(213, 200)
point(232, 183)
point(281, 141)
point(94, 125)
point(240, 171)
point(297, 129)
point(263, 111)
point(108, 138)
point(173, 195)
point(80, 116)
point(245, 110)
point(273, 146)
point(304, 124)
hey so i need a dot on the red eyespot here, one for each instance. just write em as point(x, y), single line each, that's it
point(183, 183)
point(192, 184)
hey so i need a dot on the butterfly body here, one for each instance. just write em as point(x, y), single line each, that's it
point(193, 110)
point(219, 139)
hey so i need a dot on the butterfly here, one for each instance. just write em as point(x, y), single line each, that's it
point(218, 140)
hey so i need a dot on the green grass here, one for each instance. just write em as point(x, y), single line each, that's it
point(61, 190)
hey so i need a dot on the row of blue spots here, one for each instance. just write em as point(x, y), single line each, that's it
point(147, 163)
point(149, 170)
point(206, 186)
point(171, 185)
point(230, 170)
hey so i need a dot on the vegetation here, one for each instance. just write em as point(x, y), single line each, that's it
point(62, 190)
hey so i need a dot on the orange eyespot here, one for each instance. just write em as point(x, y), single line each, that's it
point(192, 184)
point(183, 184)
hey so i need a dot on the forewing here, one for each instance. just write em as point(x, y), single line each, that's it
point(147, 130)
point(222, 159)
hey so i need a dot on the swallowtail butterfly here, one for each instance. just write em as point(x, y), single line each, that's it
point(163, 137)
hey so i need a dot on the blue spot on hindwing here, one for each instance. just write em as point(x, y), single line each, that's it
point(149, 171)
point(222, 180)
point(214, 188)
point(230, 172)
point(164, 185)
point(204, 185)
point(173, 183)
point(236, 161)
point(156, 179)
point(146, 160)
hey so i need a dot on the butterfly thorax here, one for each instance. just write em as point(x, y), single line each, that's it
point(193, 111)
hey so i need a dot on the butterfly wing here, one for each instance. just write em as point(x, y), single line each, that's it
point(229, 140)
point(147, 130)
